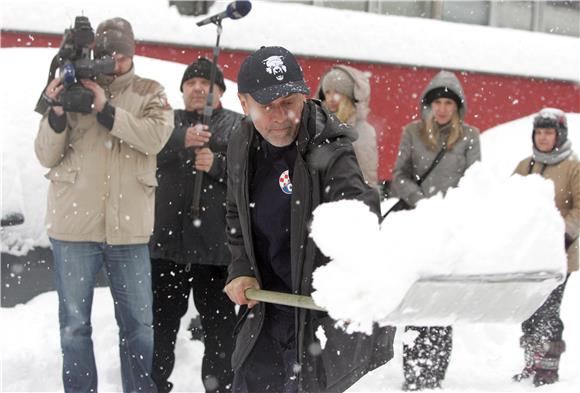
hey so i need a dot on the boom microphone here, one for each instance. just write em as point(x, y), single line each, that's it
point(235, 10)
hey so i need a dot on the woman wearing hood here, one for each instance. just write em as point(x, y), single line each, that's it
point(552, 159)
point(346, 92)
point(442, 146)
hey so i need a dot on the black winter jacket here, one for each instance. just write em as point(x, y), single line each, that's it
point(325, 170)
point(176, 237)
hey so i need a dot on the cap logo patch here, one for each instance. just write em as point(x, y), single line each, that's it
point(285, 184)
point(275, 66)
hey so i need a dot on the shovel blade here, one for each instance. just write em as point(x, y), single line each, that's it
point(486, 298)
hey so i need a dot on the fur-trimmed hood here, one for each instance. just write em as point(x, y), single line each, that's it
point(362, 89)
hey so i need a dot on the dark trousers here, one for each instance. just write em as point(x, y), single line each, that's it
point(425, 363)
point(172, 284)
point(271, 366)
point(545, 325)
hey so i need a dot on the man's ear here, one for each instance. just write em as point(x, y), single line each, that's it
point(218, 91)
point(244, 102)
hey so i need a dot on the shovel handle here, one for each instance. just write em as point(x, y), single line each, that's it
point(284, 299)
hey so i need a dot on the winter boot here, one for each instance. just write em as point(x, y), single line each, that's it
point(546, 363)
point(526, 342)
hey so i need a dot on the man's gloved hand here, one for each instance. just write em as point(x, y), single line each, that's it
point(51, 94)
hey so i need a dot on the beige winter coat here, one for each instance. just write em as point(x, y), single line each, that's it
point(102, 183)
point(365, 146)
point(566, 178)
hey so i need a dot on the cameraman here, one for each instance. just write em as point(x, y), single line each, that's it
point(100, 208)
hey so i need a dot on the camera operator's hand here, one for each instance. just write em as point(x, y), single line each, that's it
point(52, 91)
point(100, 99)
point(197, 136)
point(203, 159)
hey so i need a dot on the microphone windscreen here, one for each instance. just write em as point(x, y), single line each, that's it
point(238, 9)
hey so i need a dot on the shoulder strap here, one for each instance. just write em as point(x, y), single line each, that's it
point(402, 205)
point(531, 167)
point(436, 161)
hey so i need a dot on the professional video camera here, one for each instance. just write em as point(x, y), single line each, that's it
point(74, 59)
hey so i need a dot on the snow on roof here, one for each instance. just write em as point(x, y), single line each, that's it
point(324, 32)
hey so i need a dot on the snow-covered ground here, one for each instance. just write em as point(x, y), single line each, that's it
point(484, 355)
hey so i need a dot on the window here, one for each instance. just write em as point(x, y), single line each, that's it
point(561, 17)
point(471, 12)
point(512, 14)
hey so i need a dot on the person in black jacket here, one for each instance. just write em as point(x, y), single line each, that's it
point(289, 156)
point(190, 253)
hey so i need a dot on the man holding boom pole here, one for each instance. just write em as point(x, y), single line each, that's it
point(189, 254)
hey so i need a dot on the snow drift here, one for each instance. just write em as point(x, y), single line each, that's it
point(489, 224)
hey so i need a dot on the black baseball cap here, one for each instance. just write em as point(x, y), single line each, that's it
point(270, 73)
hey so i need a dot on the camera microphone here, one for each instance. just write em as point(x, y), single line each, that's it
point(68, 75)
point(234, 10)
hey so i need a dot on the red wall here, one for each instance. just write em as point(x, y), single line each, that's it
point(491, 99)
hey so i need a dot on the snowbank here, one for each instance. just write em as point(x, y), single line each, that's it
point(489, 224)
point(305, 30)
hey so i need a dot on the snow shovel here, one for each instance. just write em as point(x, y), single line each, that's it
point(284, 299)
point(452, 299)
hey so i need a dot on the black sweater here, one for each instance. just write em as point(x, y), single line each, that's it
point(271, 196)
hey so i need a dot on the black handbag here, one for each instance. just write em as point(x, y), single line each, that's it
point(401, 204)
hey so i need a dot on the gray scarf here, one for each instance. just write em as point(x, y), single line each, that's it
point(554, 157)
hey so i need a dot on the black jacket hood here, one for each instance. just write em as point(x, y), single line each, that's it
point(318, 125)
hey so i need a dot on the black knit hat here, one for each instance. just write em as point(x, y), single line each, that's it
point(202, 69)
point(114, 36)
point(442, 92)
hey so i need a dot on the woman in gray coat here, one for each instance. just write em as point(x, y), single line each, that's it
point(440, 134)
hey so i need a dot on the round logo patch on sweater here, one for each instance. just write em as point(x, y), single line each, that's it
point(284, 181)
